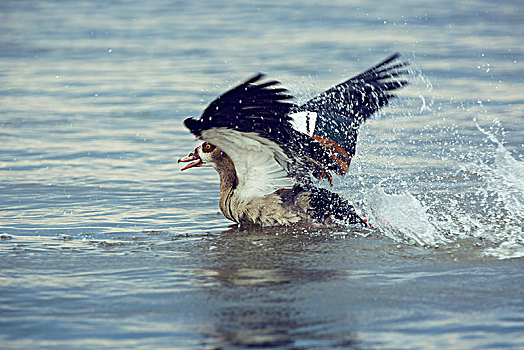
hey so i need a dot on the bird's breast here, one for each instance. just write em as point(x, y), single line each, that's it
point(266, 211)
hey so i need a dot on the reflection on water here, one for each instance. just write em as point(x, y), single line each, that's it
point(104, 242)
point(264, 286)
point(243, 288)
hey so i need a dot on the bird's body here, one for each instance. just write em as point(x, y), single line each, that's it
point(270, 154)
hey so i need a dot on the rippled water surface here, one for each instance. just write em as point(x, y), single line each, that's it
point(104, 243)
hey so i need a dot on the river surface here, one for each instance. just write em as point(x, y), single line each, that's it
point(104, 243)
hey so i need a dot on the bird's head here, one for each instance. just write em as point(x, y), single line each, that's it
point(203, 156)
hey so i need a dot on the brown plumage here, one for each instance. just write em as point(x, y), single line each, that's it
point(285, 206)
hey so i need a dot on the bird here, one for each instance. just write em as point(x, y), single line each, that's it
point(272, 154)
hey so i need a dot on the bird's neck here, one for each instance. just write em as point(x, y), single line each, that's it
point(228, 184)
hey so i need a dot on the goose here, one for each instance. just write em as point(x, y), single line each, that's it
point(272, 154)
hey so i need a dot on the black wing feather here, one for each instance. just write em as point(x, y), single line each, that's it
point(260, 108)
point(342, 109)
point(247, 107)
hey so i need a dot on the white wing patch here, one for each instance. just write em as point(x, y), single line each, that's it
point(259, 163)
point(304, 122)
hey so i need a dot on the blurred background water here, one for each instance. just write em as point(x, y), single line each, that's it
point(105, 243)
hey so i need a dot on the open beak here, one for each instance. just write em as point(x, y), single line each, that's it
point(191, 157)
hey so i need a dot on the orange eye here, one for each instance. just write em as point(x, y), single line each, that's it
point(207, 147)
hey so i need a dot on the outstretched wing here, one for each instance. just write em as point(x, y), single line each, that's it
point(275, 144)
point(341, 110)
point(247, 107)
point(251, 124)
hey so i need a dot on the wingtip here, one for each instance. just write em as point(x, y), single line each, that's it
point(192, 125)
point(188, 121)
point(255, 78)
point(389, 59)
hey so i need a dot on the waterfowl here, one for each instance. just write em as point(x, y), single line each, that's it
point(270, 154)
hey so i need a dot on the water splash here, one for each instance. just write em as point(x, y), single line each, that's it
point(484, 203)
point(448, 180)
point(402, 217)
point(506, 178)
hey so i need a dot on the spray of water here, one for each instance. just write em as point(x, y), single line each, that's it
point(442, 181)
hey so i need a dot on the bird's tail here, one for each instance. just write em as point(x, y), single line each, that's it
point(327, 205)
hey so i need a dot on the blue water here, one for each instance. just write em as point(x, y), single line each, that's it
point(104, 243)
